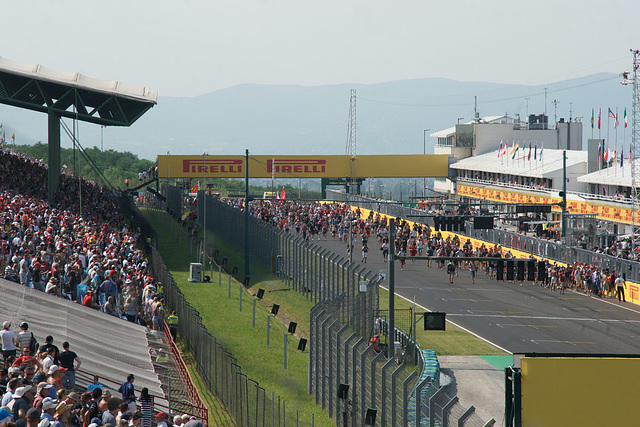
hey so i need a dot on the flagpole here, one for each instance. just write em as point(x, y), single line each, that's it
point(599, 117)
point(615, 151)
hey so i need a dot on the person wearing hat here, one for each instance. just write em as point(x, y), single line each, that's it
point(48, 409)
point(177, 421)
point(24, 336)
point(5, 416)
point(54, 376)
point(23, 397)
point(102, 404)
point(43, 391)
point(9, 341)
point(160, 419)
point(63, 410)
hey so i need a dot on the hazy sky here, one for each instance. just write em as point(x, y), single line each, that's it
point(189, 47)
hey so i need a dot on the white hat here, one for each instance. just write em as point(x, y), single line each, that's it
point(20, 391)
point(49, 403)
point(6, 324)
point(52, 369)
point(14, 370)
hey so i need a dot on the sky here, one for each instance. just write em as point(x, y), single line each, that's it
point(194, 47)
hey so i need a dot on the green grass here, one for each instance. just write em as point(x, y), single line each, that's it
point(233, 329)
point(264, 364)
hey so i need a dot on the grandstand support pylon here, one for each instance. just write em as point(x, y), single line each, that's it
point(635, 144)
point(54, 154)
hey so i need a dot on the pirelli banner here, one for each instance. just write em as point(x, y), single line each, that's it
point(379, 166)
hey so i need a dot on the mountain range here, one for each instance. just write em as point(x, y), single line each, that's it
point(391, 118)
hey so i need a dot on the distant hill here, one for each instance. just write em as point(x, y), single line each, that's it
point(391, 117)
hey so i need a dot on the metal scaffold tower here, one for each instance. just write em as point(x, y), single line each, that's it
point(632, 79)
point(351, 142)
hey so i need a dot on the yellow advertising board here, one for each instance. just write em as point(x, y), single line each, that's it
point(299, 166)
point(579, 391)
point(603, 211)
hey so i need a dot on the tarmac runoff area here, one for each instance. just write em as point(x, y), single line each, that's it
point(478, 381)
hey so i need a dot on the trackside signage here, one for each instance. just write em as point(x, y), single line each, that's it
point(338, 166)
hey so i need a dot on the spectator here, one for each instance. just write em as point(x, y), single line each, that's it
point(61, 415)
point(128, 393)
point(71, 362)
point(43, 391)
point(102, 405)
point(146, 407)
point(109, 416)
point(23, 398)
point(48, 409)
point(160, 419)
point(33, 417)
point(9, 341)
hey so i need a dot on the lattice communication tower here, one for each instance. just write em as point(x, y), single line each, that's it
point(351, 141)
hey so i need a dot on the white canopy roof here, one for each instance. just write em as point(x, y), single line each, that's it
point(614, 175)
point(551, 162)
point(41, 72)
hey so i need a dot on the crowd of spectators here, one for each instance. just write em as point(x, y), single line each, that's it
point(322, 221)
point(91, 258)
point(88, 255)
point(40, 390)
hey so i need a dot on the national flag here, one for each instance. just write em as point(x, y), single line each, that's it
point(282, 194)
point(541, 148)
point(592, 112)
point(529, 157)
point(615, 117)
point(535, 152)
point(615, 152)
point(500, 149)
point(625, 117)
point(599, 115)
point(194, 189)
point(622, 156)
point(600, 153)
point(13, 138)
point(514, 150)
point(506, 148)
point(606, 154)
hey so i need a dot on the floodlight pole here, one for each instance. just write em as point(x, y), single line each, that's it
point(564, 197)
point(246, 212)
point(391, 272)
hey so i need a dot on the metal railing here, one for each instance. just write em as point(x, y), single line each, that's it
point(508, 239)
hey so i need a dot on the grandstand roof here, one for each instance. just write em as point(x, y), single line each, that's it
point(41, 72)
point(73, 95)
point(551, 162)
point(614, 175)
point(107, 346)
